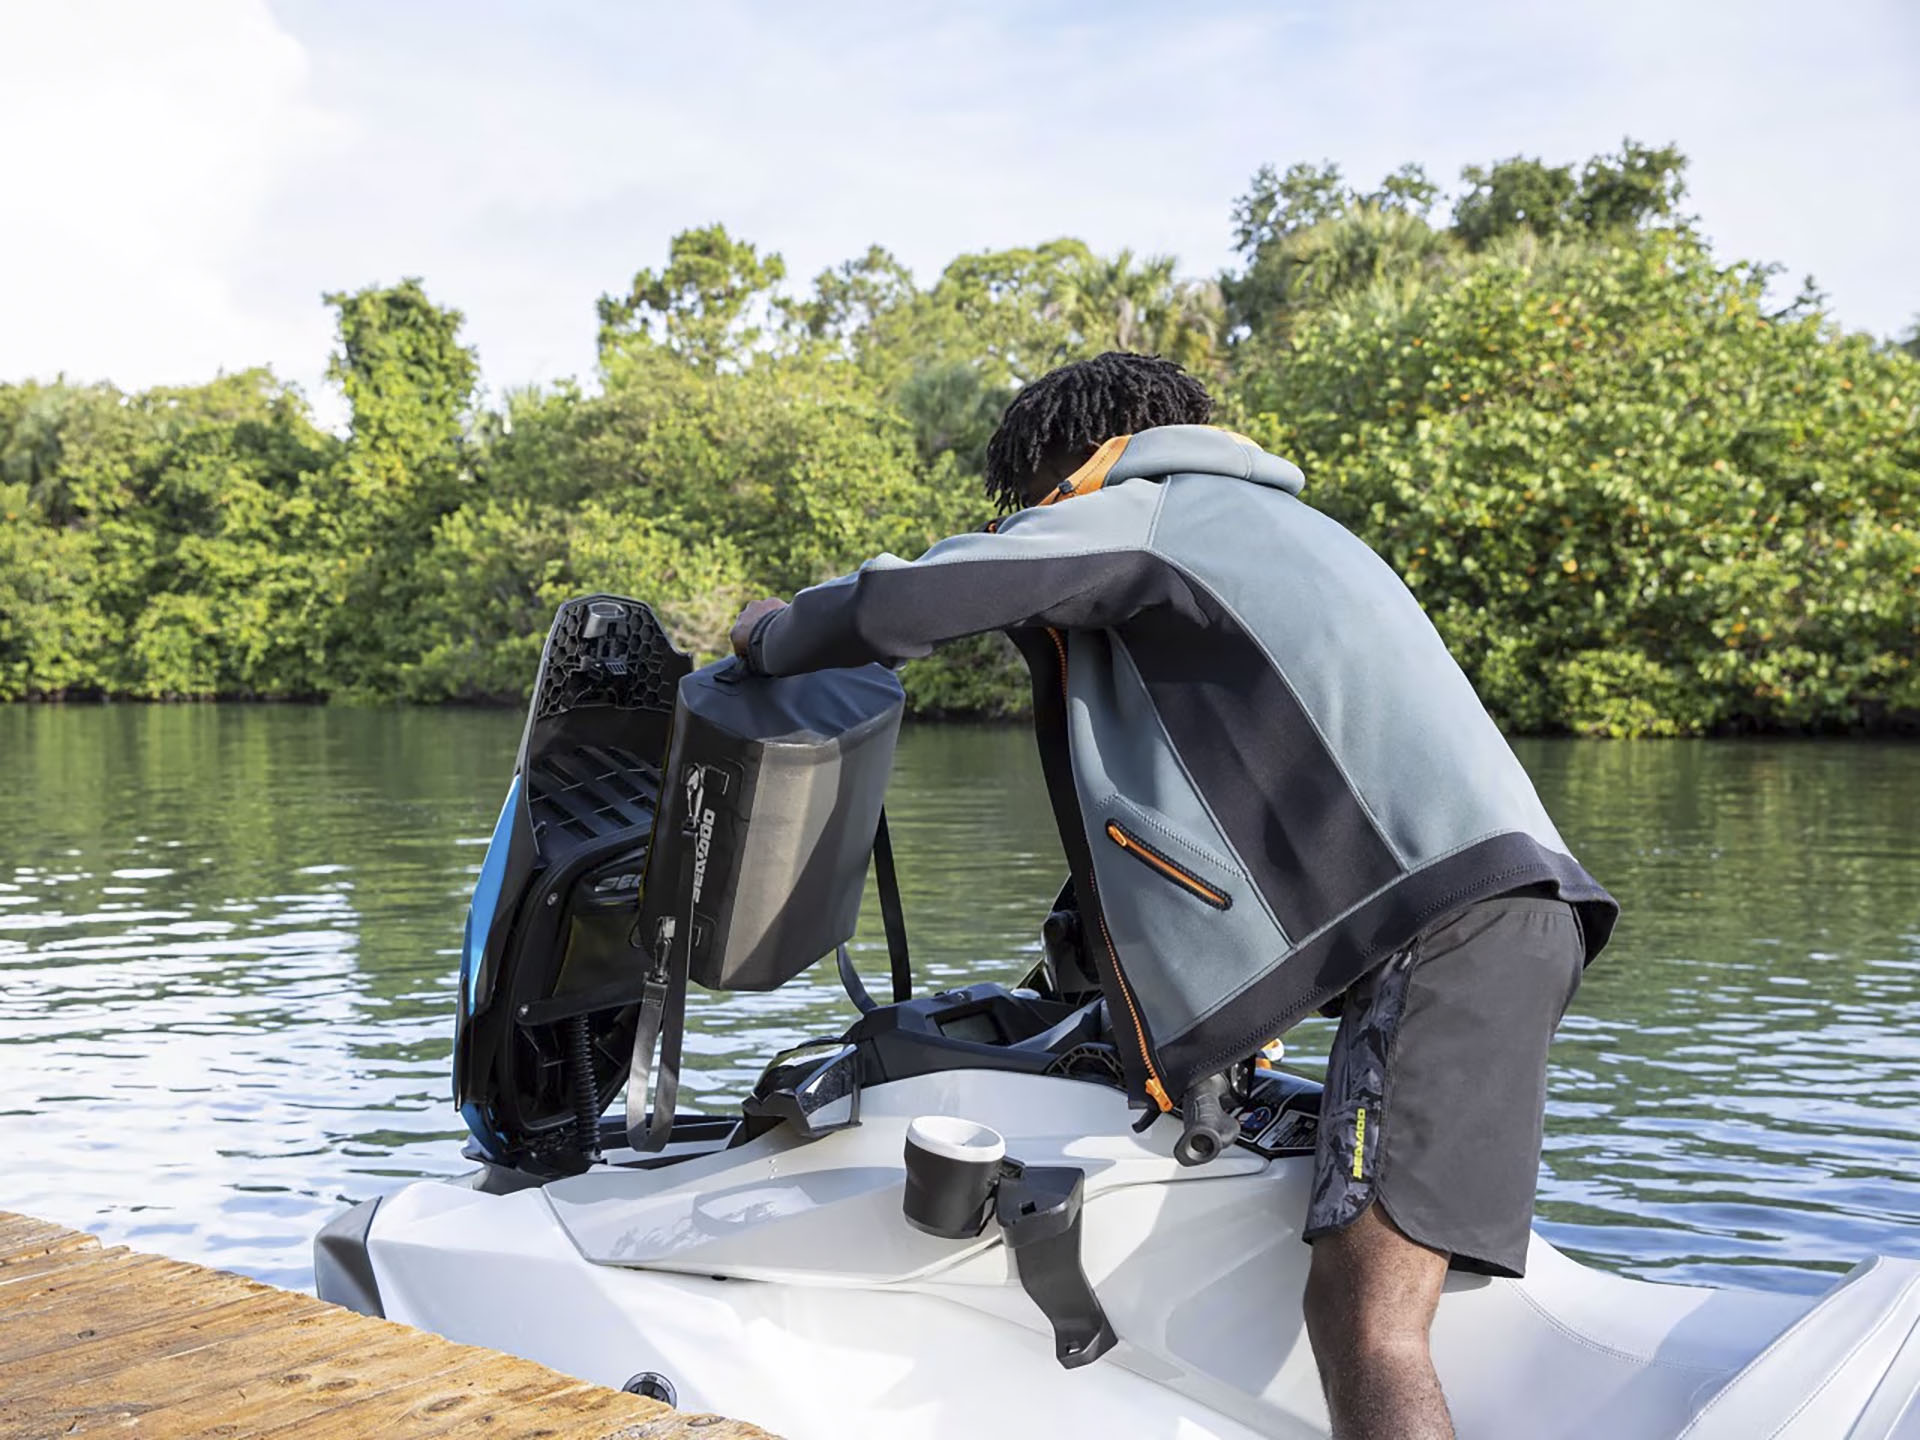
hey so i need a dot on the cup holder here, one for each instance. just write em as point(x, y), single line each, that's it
point(959, 1175)
point(952, 1168)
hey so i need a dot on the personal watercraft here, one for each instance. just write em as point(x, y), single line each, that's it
point(944, 1218)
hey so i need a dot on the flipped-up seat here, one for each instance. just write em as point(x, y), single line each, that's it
point(549, 978)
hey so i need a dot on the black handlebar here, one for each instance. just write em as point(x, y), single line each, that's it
point(1210, 1126)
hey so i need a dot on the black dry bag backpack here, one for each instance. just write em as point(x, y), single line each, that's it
point(769, 808)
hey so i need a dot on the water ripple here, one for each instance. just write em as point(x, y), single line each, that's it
point(228, 935)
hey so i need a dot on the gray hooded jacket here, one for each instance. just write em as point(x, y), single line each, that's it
point(1268, 771)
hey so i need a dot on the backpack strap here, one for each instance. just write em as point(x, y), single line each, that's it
point(892, 914)
point(1092, 475)
point(663, 1018)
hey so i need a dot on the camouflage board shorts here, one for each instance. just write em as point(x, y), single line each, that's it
point(1437, 1082)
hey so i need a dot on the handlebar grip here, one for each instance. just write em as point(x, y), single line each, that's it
point(1209, 1126)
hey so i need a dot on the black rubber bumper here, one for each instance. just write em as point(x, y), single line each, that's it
point(342, 1269)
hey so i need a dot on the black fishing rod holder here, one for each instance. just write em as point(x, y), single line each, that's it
point(959, 1176)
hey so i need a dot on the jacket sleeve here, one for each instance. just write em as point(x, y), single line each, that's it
point(1082, 564)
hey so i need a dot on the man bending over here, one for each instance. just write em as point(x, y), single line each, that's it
point(1277, 792)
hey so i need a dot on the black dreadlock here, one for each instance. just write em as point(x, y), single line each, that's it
point(1074, 408)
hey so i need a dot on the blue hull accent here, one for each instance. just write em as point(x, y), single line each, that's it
point(473, 954)
point(486, 900)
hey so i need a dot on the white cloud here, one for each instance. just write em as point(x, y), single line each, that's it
point(143, 144)
point(205, 172)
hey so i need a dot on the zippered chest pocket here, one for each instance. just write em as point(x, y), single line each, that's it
point(1132, 844)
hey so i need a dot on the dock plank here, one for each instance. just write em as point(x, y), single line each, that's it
point(235, 1389)
point(421, 1407)
point(100, 1315)
point(104, 1340)
point(106, 1277)
point(188, 1358)
point(25, 1238)
point(175, 1334)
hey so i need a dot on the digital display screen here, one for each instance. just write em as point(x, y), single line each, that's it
point(980, 1027)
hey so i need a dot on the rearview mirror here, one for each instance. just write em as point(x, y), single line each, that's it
point(815, 1089)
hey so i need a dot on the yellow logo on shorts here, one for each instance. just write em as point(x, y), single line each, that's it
point(1359, 1141)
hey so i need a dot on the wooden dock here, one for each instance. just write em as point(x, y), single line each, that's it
point(106, 1341)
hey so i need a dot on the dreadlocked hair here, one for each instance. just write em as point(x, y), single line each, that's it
point(1078, 406)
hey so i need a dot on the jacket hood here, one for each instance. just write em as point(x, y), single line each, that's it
point(1205, 450)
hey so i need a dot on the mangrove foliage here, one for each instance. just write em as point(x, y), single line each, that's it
point(1637, 491)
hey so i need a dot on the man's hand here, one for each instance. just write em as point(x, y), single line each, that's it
point(750, 617)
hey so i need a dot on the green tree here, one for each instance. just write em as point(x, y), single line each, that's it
point(1121, 303)
point(1278, 205)
point(157, 542)
point(52, 634)
point(1633, 500)
point(849, 301)
point(1636, 498)
point(1306, 237)
point(952, 409)
point(1513, 194)
point(702, 306)
point(1637, 185)
point(409, 382)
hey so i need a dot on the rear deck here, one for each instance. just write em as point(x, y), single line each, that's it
point(104, 1340)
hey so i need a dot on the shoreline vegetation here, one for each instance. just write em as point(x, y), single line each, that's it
point(1638, 495)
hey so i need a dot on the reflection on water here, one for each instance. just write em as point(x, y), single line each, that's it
point(227, 953)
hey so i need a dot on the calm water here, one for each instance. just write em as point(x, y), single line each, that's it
point(227, 954)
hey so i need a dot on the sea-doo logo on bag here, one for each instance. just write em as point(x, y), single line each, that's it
point(700, 820)
point(700, 849)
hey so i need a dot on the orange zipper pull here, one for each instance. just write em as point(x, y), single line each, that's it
point(1158, 1092)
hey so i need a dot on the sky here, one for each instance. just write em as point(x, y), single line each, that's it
point(185, 181)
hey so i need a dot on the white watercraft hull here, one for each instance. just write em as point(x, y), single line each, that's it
point(778, 1282)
